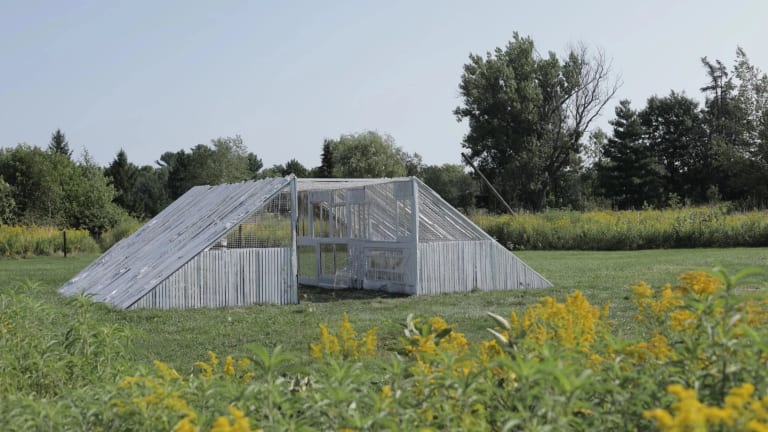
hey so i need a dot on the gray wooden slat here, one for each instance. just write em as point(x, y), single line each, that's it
point(465, 265)
point(136, 265)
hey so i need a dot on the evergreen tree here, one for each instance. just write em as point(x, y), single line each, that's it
point(123, 177)
point(627, 172)
point(326, 161)
point(59, 144)
point(254, 165)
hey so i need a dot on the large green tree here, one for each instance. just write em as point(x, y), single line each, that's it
point(50, 189)
point(676, 136)
point(452, 183)
point(366, 155)
point(296, 168)
point(226, 160)
point(150, 195)
point(527, 115)
point(736, 119)
point(627, 171)
point(89, 199)
point(7, 203)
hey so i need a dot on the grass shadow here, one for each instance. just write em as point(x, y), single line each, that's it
point(311, 294)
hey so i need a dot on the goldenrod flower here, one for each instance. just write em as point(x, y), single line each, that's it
point(214, 360)
point(229, 366)
point(682, 320)
point(185, 425)
point(166, 371)
point(699, 283)
point(207, 369)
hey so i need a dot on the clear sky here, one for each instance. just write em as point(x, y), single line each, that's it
point(157, 76)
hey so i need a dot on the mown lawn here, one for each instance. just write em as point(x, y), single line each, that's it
point(182, 337)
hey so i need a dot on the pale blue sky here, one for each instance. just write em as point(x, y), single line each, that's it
point(156, 76)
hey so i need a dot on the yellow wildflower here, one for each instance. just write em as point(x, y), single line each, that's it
point(489, 350)
point(437, 324)
point(207, 369)
point(699, 283)
point(348, 337)
point(739, 396)
point(370, 342)
point(166, 371)
point(682, 320)
point(229, 366)
point(660, 348)
point(130, 381)
point(214, 360)
point(386, 391)
point(241, 422)
point(668, 299)
point(757, 426)
point(243, 363)
point(328, 344)
point(221, 425)
point(642, 290)
point(185, 425)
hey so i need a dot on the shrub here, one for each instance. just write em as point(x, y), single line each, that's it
point(699, 363)
point(125, 226)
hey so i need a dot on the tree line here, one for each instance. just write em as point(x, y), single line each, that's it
point(530, 115)
point(531, 133)
point(47, 187)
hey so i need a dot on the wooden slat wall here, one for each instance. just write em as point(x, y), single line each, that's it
point(227, 277)
point(137, 264)
point(466, 265)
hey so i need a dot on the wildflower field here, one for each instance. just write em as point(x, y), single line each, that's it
point(715, 226)
point(18, 241)
point(624, 341)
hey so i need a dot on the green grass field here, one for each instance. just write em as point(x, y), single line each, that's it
point(184, 336)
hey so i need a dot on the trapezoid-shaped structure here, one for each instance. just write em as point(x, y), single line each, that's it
point(256, 241)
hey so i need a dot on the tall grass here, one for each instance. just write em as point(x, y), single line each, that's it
point(25, 241)
point(629, 230)
point(696, 362)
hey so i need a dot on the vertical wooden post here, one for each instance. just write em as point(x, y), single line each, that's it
point(414, 266)
point(64, 233)
point(294, 295)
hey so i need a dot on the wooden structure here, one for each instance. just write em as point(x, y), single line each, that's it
point(254, 242)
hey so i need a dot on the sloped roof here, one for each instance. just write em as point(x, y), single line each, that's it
point(134, 266)
point(438, 220)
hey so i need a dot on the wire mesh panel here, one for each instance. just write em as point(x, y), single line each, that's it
point(334, 264)
point(269, 227)
point(439, 221)
point(358, 233)
point(385, 265)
